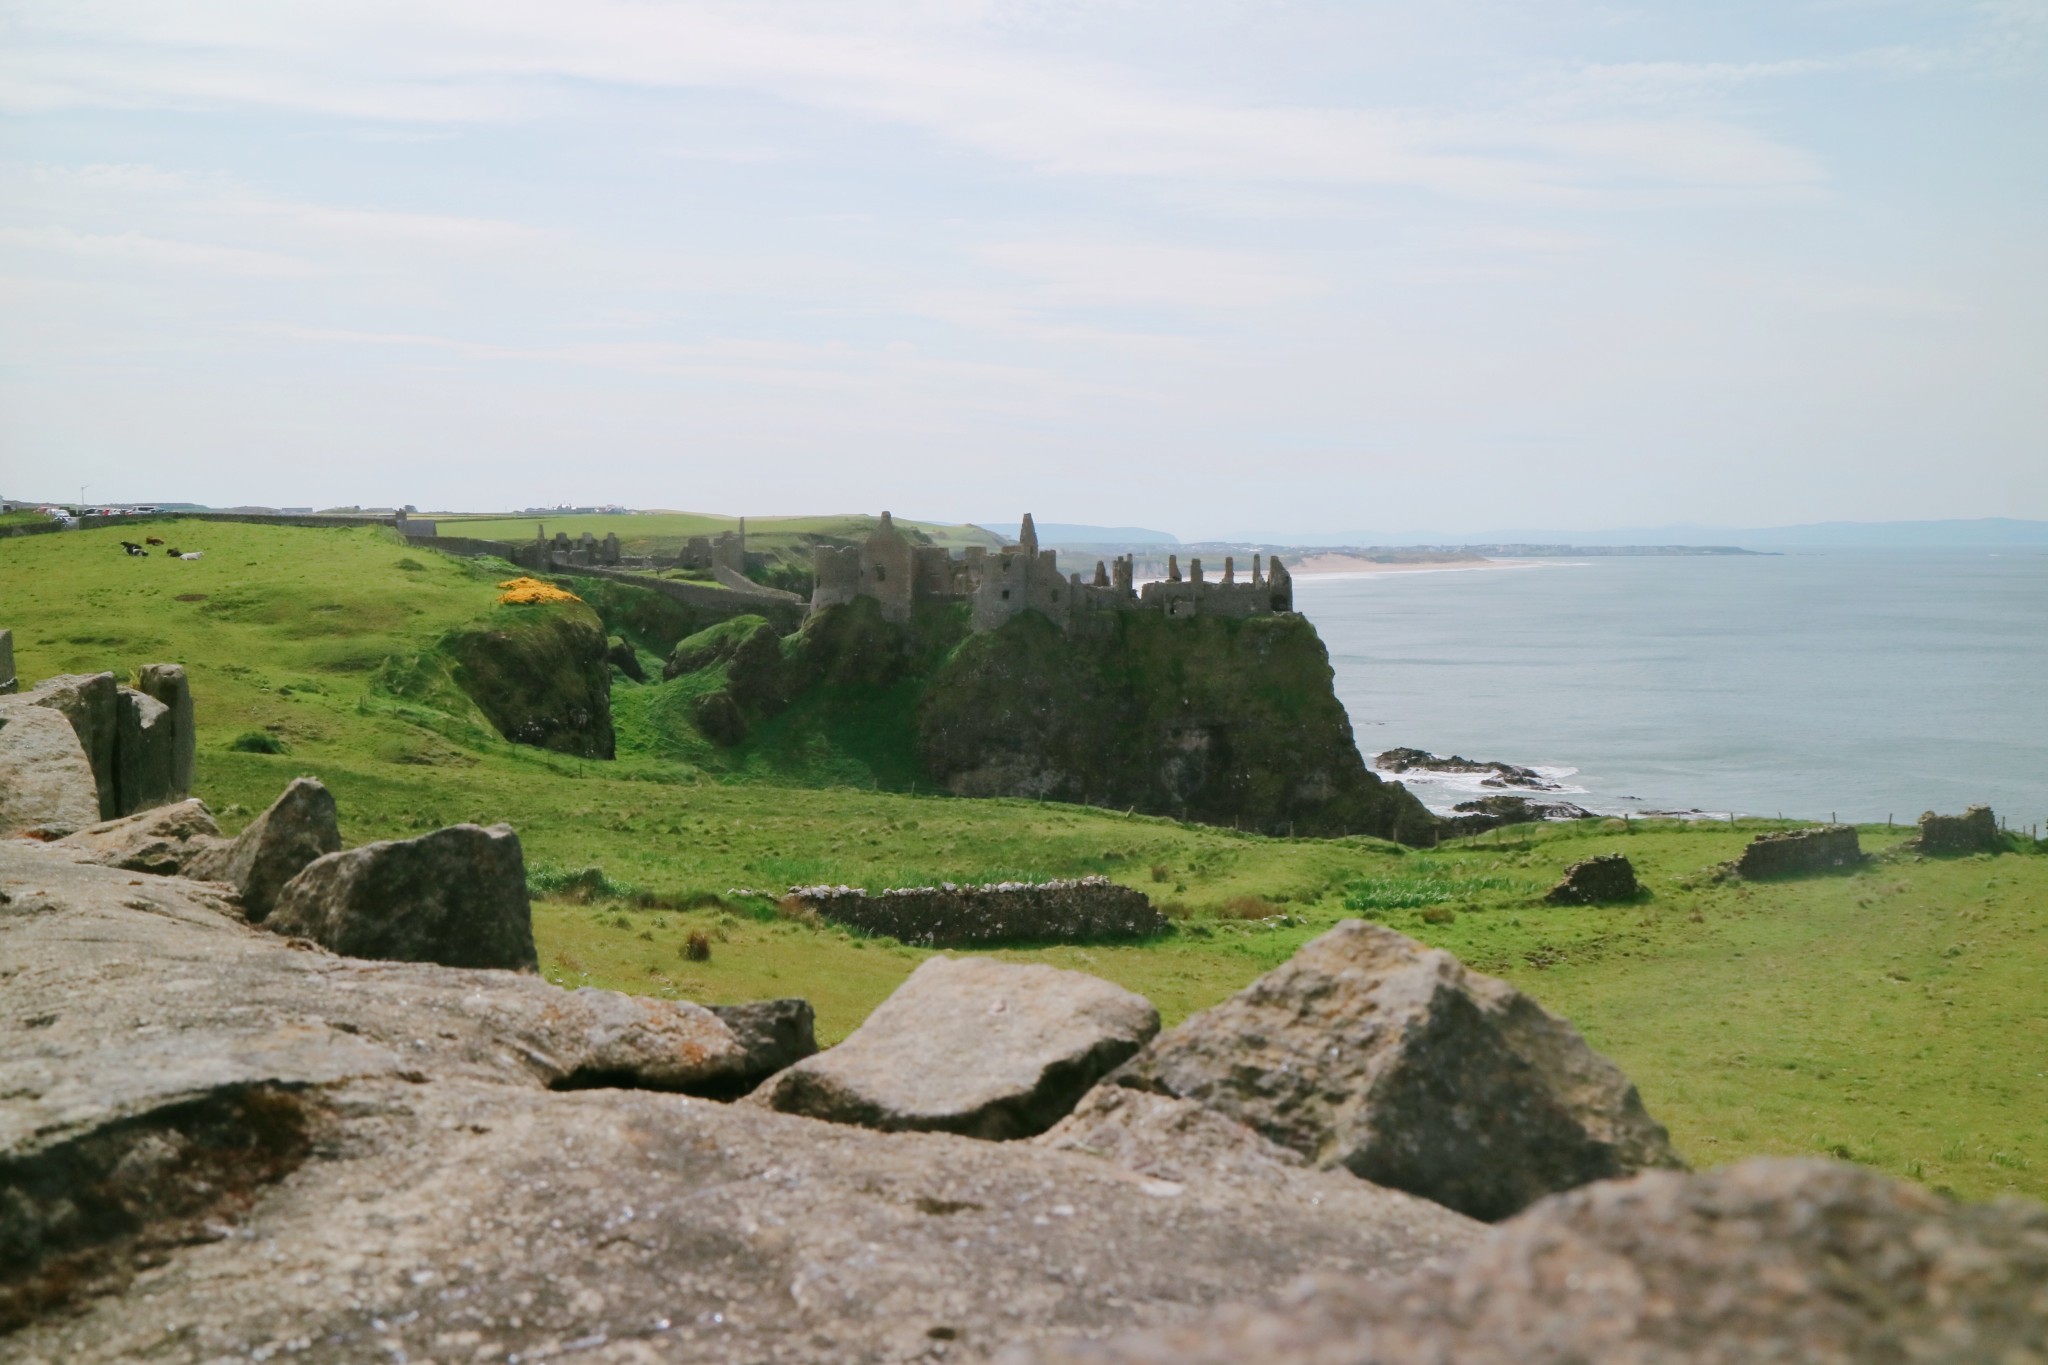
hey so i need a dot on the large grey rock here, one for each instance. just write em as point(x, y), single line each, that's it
point(1591, 881)
point(456, 897)
point(326, 1159)
point(145, 752)
point(974, 1046)
point(90, 701)
point(1794, 1261)
point(165, 841)
point(1369, 1051)
point(299, 827)
point(8, 681)
point(46, 781)
point(169, 685)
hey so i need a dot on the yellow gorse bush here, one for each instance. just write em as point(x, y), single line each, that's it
point(524, 592)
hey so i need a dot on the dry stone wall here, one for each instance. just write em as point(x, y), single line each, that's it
point(1086, 910)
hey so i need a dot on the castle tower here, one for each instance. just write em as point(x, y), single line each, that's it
point(1027, 538)
point(886, 569)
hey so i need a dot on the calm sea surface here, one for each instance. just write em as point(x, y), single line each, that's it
point(1861, 683)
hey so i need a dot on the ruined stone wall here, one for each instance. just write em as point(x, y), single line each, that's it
point(1088, 910)
point(1798, 851)
point(1974, 831)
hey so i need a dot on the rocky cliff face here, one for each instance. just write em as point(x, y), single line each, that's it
point(1226, 722)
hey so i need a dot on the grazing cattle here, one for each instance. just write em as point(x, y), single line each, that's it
point(174, 552)
point(130, 547)
point(194, 555)
point(152, 540)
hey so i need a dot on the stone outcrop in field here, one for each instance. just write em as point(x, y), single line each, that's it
point(456, 896)
point(1768, 1260)
point(1079, 910)
point(1974, 831)
point(1798, 852)
point(1369, 1051)
point(1591, 881)
point(973, 1046)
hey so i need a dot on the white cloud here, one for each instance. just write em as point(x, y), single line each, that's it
point(464, 60)
point(140, 248)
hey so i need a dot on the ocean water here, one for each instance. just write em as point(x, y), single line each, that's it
point(1865, 684)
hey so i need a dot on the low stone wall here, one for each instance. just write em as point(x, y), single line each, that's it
point(1974, 831)
point(1089, 910)
point(1797, 851)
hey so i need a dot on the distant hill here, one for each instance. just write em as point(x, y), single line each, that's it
point(1052, 534)
point(1971, 533)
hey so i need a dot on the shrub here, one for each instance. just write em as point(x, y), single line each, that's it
point(258, 742)
point(1439, 914)
point(1414, 893)
point(697, 948)
point(1248, 907)
point(582, 885)
point(1160, 872)
point(527, 592)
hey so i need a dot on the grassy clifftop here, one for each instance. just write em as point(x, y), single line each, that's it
point(1891, 1014)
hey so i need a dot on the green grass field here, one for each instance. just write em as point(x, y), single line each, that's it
point(666, 532)
point(1894, 1015)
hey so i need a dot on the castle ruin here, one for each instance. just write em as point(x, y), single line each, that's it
point(1001, 583)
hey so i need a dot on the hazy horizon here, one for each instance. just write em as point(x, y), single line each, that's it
point(1207, 266)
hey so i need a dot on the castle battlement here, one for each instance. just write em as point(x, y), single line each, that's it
point(1023, 577)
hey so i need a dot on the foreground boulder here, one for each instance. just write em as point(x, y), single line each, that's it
point(299, 827)
point(46, 782)
point(91, 702)
point(774, 1034)
point(1590, 881)
point(1974, 831)
point(314, 1157)
point(972, 1046)
point(165, 841)
point(8, 682)
point(1768, 1260)
point(1369, 1051)
point(456, 897)
point(168, 684)
point(1797, 852)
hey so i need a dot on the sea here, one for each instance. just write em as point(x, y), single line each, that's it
point(1862, 685)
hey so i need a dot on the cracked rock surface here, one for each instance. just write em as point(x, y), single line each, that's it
point(218, 1142)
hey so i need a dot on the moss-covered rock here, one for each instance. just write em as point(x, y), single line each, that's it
point(713, 645)
point(541, 675)
point(1221, 721)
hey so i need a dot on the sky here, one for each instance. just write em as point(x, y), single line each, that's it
point(1203, 265)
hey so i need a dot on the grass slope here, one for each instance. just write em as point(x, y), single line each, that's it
point(667, 532)
point(1893, 1015)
